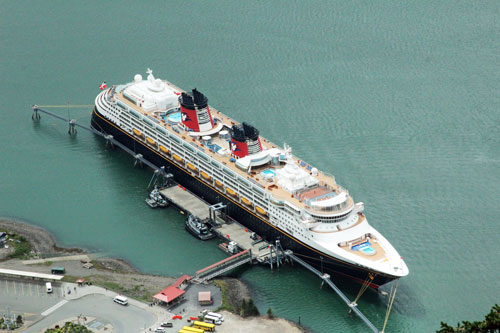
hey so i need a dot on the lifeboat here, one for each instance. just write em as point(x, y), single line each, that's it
point(164, 149)
point(191, 167)
point(177, 158)
point(246, 201)
point(261, 211)
point(206, 176)
point(151, 141)
point(230, 191)
point(218, 183)
point(138, 133)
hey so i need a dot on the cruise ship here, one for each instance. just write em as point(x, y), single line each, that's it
point(265, 187)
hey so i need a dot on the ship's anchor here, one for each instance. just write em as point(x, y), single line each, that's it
point(72, 128)
point(138, 160)
point(109, 141)
point(36, 114)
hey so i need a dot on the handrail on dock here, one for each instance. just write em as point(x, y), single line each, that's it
point(326, 278)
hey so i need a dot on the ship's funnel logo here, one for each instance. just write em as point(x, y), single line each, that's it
point(234, 147)
point(185, 117)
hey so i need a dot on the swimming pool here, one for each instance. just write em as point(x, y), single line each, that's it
point(268, 173)
point(174, 117)
point(365, 247)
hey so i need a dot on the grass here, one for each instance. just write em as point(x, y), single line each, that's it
point(22, 247)
point(226, 304)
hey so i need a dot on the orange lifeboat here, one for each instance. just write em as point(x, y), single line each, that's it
point(138, 133)
point(261, 211)
point(191, 167)
point(151, 141)
point(246, 201)
point(177, 158)
point(164, 149)
point(231, 192)
point(206, 176)
point(218, 183)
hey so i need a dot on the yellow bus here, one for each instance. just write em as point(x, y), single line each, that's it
point(204, 326)
point(192, 329)
point(184, 331)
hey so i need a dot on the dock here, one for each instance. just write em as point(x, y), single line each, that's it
point(227, 229)
point(186, 201)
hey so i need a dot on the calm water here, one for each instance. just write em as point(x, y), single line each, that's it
point(398, 99)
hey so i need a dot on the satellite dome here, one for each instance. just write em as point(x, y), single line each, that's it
point(138, 78)
point(314, 171)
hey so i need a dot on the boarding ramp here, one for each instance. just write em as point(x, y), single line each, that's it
point(325, 277)
point(222, 266)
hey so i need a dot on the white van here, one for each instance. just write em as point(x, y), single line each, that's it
point(216, 315)
point(121, 300)
point(212, 320)
point(48, 287)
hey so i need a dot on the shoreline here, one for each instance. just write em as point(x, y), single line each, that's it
point(108, 268)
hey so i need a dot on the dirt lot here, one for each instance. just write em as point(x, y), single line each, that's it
point(234, 323)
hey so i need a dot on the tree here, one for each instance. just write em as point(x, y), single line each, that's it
point(270, 314)
point(19, 320)
point(490, 324)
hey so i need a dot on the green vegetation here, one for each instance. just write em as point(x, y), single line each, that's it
point(490, 324)
point(248, 308)
point(22, 247)
point(226, 302)
point(11, 325)
point(69, 328)
point(270, 313)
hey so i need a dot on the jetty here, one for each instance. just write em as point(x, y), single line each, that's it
point(249, 248)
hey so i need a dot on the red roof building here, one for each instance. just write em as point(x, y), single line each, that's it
point(173, 292)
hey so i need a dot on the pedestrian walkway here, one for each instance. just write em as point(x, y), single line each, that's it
point(81, 257)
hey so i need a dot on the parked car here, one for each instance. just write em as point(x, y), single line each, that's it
point(160, 330)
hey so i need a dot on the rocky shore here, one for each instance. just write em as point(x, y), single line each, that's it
point(117, 274)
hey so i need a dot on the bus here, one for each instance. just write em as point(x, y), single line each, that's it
point(184, 331)
point(192, 329)
point(212, 319)
point(204, 326)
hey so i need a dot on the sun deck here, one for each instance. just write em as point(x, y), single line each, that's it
point(324, 180)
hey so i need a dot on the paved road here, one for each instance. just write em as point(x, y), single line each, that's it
point(122, 318)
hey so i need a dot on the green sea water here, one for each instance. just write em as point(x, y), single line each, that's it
point(399, 100)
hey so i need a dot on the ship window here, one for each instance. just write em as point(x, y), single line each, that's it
point(188, 147)
point(203, 156)
point(176, 139)
point(229, 172)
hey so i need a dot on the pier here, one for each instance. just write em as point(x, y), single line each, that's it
point(252, 250)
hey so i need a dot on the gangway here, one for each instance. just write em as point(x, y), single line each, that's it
point(222, 266)
point(326, 278)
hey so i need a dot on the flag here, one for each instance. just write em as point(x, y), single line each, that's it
point(103, 85)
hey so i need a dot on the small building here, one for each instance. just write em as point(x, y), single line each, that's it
point(170, 295)
point(205, 298)
point(58, 270)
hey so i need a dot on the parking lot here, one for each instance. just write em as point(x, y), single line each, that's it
point(27, 295)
